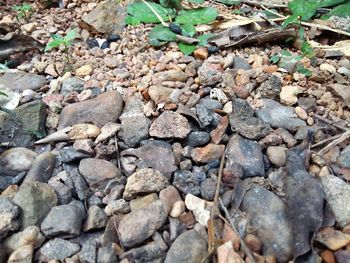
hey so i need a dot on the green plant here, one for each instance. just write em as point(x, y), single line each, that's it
point(182, 22)
point(288, 58)
point(66, 42)
point(23, 11)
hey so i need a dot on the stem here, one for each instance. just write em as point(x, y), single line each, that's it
point(155, 12)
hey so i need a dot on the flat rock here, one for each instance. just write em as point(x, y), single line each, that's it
point(144, 181)
point(98, 172)
point(172, 75)
point(29, 123)
point(9, 214)
point(72, 84)
point(64, 220)
point(96, 218)
point(58, 249)
point(189, 247)
point(269, 218)
point(207, 153)
point(35, 200)
point(22, 255)
point(98, 111)
point(139, 225)
point(246, 154)
point(278, 116)
point(170, 125)
point(20, 81)
point(250, 127)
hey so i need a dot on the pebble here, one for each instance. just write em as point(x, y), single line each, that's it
point(197, 138)
point(42, 168)
point(159, 93)
point(188, 182)
point(207, 153)
point(9, 215)
point(328, 67)
point(84, 71)
point(277, 155)
point(201, 53)
point(58, 249)
point(197, 206)
point(209, 74)
point(332, 239)
point(289, 94)
point(344, 158)
point(143, 201)
point(22, 254)
point(144, 181)
point(171, 75)
point(117, 206)
point(178, 209)
point(96, 219)
point(17, 160)
point(301, 113)
point(169, 197)
point(72, 84)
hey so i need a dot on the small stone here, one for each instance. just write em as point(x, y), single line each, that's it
point(197, 139)
point(96, 218)
point(301, 113)
point(106, 254)
point(178, 209)
point(107, 131)
point(344, 158)
point(253, 243)
point(328, 67)
point(9, 214)
point(172, 75)
point(201, 53)
point(145, 180)
point(58, 249)
point(208, 188)
point(22, 255)
point(207, 153)
point(29, 236)
point(72, 84)
point(289, 94)
point(42, 168)
point(169, 197)
point(197, 206)
point(30, 27)
point(277, 155)
point(84, 71)
point(327, 256)
point(170, 125)
point(209, 74)
point(332, 239)
point(69, 154)
point(16, 160)
point(111, 62)
point(84, 146)
point(116, 207)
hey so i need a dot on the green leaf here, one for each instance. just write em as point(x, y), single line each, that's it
point(197, 2)
point(141, 12)
point(197, 16)
point(53, 44)
point(303, 8)
point(160, 35)
point(328, 3)
point(293, 19)
point(286, 53)
point(307, 50)
point(170, 3)
point(73, 34)
point(203, 39)
point(341, 10)
point(274, 59)
point(3, 94)
point(301, 69)
point(229, 2)
point(188, 30)
point(187, 49)
point(132, 21)
point(56, 37)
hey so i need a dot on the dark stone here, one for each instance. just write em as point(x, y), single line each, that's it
point(92, 42)
point(113, 38)
point(106, 254)
point(309, 104)
point(207, 116)
point(241, 63)
point(105, 45)
point(69, 154)
point(271, 88)
point(189, 182)
point(42, 168)
point(197, 139)
point(241, 108)
point(249, 127)
point(58, 249)
point(208, 187)
point(72, 84)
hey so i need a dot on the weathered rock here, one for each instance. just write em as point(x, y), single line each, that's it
point(172, 75)
point(207, 153)
point(278, 116)
point(69, 154)
point(58, 249)
point(22, 255)
point(246, 154)
point(64, 220)
point(105, 108)
point(269, 218)
point(102, 20)
point(197, 139)
point(189, 182)
point(208, 188)
point(209, 74)
point(84, 146)
point(107, 131)
point(106, 254)
point(271, 88)
point(250, 127)
point(116, 207)
point(169, 197)
point(159, 93)
point(98, 172)
point(20, 81)
point(344, 158)
point(341, 91)
point(139, 225)
point(289, 94)
point(72, 84)
point(332, 239)
point(170, 125)
point(205, 111)
point(144, 181)
point(21, 127)
point(192, 243)
point(134, 130)
point(35, 200)
point(42, 168)
point(143, 201)
point(29, 236)
point(9, 213)
point(96, 218)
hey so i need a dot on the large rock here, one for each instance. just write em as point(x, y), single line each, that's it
point(21, 127)
point(64, 220)
point(106, 17)
point(269, 218)
point(140, 224)
point(279, 116)
point(144, 181)
point(170, 125)
point(189, 247)
point(16, 160)
point(105, 108)
point(98, 172)
point(246, 154)
point(9, 213)
point(35, 200)
point(20, 81)
point(58, 249)
point(250, 127)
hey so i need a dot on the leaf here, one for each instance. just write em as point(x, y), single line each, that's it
point(328, 3)
point(73, 34)
point(301, 69)
point(141, 12)
point(203, 39)
point(170, 3)
point(132, 21)
point(270, 14)
point(293, 19)
point(274, 59)
point(197, 2)
point(56, 37)
point(187, 49)
point(303, 8)
point(53, 44)
point(307, 50)
point(229, 2)
point(188, 30)
point(160, 35)
point(197, 16)
point(341, 10)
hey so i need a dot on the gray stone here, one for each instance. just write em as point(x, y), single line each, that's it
point(42, 168)
point(58, 249)
point(209, 74)
point(23, 125)
point(208, 187)
point(136, 227)
point(246, 154)
point(35, 200)
point(72, 84)
point(16, 160)
point(96, 219)
point(278, 116)
point(64, 220)
point(134, 129)
point(63, 192)
point(80, 186)
point(241, 108)
point(240, 63)
point(20, 81)
point(9, 214)
point(344, 158)
point(189, 182)
point(207, 116)
point(106, 254)
point(98, 111)
point(250, 127)
point(88, 252)
point(271, 88)
point(189, 247)
point(269, 218)
point(144, 181)
point(69, 154)
point(197, 139)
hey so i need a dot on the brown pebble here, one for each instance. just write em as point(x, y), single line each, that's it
point(253, 243)
point(201, 53)
point(327, 256)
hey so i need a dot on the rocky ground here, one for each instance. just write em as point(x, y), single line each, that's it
point(129, 145)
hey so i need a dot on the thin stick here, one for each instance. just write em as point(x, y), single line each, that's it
point(244, 247)
point(218, 183)
point(342, 138)
point(330, 122)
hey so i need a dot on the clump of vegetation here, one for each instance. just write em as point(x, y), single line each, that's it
point(65, 42)
point(23, 11)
